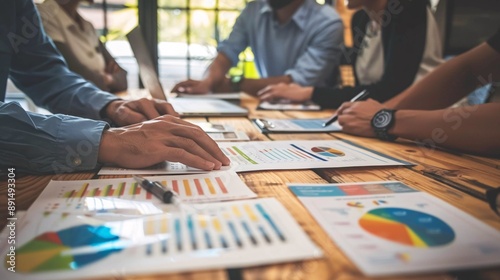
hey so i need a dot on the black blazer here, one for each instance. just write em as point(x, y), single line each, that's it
point(403, 40)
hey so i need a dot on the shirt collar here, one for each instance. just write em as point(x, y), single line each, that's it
point(299, 17)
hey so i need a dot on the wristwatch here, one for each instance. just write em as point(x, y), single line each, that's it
point(236, 82)
point(382, 121)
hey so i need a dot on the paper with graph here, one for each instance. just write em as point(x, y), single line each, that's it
point(389, 228)
point(274, 155)
point(194, 237)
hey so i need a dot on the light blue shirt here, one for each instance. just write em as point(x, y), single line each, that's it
point(37, 143)
point(308, 47)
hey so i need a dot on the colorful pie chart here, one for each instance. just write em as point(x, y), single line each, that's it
point(327, 152)
point(408, 227)
point(51, 251)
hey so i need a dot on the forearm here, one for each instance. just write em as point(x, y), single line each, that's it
point(216, 73)
point(451, 81)
point(252, 86)
point(474, 129)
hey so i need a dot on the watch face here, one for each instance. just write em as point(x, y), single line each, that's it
point(382, 119)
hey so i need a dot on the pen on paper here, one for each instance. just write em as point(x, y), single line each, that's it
point(158, 190)
point(358, 97)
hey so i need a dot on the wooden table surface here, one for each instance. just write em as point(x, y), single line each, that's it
point(459, 179)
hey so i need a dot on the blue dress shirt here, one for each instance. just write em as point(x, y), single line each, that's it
point(308, 47)
point(37, 143)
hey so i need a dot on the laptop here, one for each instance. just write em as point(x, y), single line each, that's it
point(192, 107)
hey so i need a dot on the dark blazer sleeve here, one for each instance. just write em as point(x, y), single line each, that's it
point(403, 38)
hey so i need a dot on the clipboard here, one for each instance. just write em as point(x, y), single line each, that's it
point(295, 125)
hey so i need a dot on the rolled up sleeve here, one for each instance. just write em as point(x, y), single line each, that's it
point(237, 40)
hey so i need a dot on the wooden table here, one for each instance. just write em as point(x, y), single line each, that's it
point(456, 178)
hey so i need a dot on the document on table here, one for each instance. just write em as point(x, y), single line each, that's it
point(295, 125)
point(389, 228)
point(205, 187)
point(287, 105)
point(276, 155)
point(81, 245)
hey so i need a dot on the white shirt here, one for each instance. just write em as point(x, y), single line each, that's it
point(64, 30)
point(370, 62)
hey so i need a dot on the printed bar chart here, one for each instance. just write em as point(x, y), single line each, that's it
point(190, 188)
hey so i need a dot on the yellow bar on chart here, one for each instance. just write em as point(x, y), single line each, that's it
point(164, 225)
point(149, 226)
point(210, 185)
point(203, 221)
point(217, 225)
point(187, 187)
point(250, 212)
point(236, 211)
point(121, 188)
point(82, 190)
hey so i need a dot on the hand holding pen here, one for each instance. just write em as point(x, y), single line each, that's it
point(360, 96)
point(157, 189)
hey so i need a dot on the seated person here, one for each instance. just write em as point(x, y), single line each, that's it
point(292, 41)
point(37, 143)
point(77, 40)
point(395, 44)
point(422, 111)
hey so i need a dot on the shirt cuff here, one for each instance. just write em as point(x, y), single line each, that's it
point(297, 77)
point(233, 56)
point(79, 141)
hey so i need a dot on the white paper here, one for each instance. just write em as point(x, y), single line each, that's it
point(197, 237)
point(298, 125)
point(229, 136)
point(213, 127)
point(388, 228)
point(287, 105)
point(221, 95)
point(278, 155)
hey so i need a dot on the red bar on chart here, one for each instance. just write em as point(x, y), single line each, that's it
point(221, 184)
point(175, 186)
point(198, 186)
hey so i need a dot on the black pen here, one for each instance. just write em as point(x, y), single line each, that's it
point(158, 190)
point(358, 97)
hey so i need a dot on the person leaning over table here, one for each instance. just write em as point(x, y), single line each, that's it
point(38, 143)
point(77, 40)
point(396, 42)
point(292, 41)
point(422, 111)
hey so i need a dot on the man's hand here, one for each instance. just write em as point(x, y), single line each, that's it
point(193, 87)
point(355, 117)
point(293, 92)
point(122, 112)
point(166, 138)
